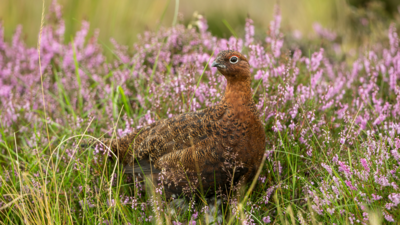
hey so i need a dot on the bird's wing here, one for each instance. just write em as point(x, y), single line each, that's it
point(166, 136)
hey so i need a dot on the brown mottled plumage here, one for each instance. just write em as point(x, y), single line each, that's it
point(200, 143)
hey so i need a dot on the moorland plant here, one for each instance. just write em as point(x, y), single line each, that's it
point(331, 117)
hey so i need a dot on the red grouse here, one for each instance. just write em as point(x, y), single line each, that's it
point(202, 144)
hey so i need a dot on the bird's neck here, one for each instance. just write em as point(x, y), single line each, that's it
point(238, 93)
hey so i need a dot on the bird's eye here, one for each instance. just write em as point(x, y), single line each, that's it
point(233, 59)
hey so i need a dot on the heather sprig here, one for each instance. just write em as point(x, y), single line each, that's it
point(332, 124)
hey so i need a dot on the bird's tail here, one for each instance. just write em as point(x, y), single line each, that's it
point(120, 147)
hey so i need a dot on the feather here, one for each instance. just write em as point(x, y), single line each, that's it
point(206, 149)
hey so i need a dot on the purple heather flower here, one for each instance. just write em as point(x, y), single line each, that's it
point(345, 169)
point(249, 29)
point(276, 23)
point(111, 203)
point(277, 167)
point(327, 167)
point(365, 215)
point(309, 152)
point(376, 197)
point(278, 126)
point(395, 198)
point(330, 210)
point(324, 33)
point(395, 154)
point(335, 158)
point(195, 215)
point(393, 39)
point(348, 183)
point(388, 217)
point(266, 219)
point(365, 164)
point(381, 180)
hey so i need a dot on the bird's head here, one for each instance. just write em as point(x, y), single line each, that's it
point(232, 64)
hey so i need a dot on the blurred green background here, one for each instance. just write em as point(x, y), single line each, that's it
point(123, 20)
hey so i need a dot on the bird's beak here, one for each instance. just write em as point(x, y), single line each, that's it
point(215, 64)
